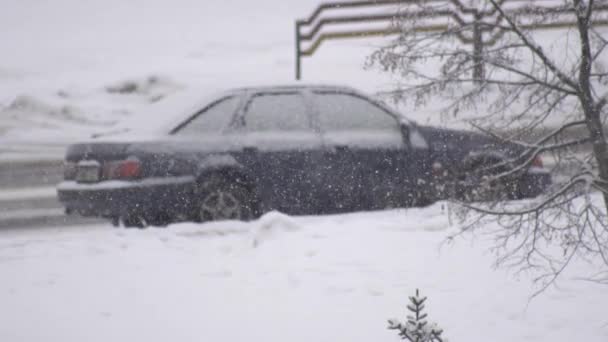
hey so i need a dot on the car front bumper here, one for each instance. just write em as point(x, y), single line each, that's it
point(117, 198)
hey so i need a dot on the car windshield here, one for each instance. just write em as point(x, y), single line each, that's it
point(304, 170)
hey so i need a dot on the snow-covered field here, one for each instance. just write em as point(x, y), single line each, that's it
point(280, 278)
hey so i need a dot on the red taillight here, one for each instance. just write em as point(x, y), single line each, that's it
point(123, 169)
point(129, 169)
point(537, 162)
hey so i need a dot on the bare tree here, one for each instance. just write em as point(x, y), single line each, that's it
point(547, 92)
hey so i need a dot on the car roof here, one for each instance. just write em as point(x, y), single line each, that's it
point(296, 87)
point(160, 118)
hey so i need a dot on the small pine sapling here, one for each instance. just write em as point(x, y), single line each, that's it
point(417, 329)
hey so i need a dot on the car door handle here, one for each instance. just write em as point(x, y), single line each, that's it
point(250, 149)
point(338, 149)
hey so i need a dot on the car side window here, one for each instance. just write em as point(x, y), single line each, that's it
point(276, 112)
point(340, 112)
point(212, 119)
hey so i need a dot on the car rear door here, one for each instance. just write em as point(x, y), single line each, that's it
point(366, 153)
point(277, 135)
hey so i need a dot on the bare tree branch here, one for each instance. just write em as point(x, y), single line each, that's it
point(535, 48)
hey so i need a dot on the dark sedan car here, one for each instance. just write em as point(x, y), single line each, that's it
point(297, 149)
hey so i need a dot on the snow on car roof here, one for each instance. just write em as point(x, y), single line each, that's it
point(296, 86)
point(161, 117)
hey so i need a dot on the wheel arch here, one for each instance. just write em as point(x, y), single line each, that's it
point(228, 167)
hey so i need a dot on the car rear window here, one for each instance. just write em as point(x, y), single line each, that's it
point(212, 119)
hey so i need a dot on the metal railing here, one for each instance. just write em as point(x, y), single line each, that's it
point(479, 28)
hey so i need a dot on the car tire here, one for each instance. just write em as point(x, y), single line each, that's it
point(158, 219)
point(473, 187)
point(133, 222)
point(219, 198)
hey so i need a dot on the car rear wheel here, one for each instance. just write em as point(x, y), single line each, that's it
point(219, 198)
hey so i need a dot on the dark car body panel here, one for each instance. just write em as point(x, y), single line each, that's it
point(298, 172)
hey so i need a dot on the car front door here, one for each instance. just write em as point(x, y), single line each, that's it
point(367, 155)
point(277, 136)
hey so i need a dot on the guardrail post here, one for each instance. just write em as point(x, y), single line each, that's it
point(298, 57)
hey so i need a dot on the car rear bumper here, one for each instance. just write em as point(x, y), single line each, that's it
point(149, 196)
point(534, 183)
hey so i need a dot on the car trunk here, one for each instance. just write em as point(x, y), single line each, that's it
point(99, 152)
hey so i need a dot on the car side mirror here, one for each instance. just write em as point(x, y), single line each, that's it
point(417, 140)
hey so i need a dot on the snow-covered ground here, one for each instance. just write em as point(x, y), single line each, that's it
point(69, 68)
point(280, 278)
